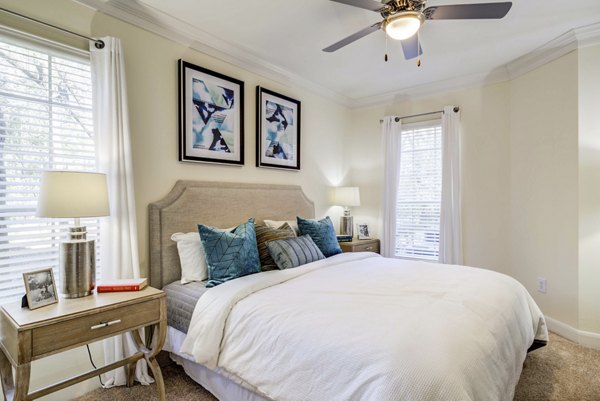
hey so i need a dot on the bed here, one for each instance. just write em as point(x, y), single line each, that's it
point(354, 326)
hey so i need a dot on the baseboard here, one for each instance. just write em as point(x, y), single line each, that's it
point(585, 338)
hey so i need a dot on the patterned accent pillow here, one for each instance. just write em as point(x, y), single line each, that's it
point(281, 224)
point(294, 251)
point(322, 233)
point(229, 255)
point(287, 226)
point(265, 234)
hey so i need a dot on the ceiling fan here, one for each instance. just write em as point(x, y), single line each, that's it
point(403, 18)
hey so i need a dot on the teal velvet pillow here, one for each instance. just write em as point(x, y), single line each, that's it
point(294, 251)
point(229, 254)
point(322, 233)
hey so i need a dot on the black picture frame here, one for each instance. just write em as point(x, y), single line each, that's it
point(211, 116)
point(277, 116)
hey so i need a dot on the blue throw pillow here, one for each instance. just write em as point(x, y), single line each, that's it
point(294, 251)
point(322, 233)
point(229, 254)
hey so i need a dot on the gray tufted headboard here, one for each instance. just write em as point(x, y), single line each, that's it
point(216, 204)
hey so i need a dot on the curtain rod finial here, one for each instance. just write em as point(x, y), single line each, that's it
point(456, 109)
point(99, 44)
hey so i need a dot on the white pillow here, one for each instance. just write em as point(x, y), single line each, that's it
point(279, 223)
point(191, 256)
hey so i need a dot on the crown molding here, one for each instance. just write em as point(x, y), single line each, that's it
point(577, 38)
point(181, 32)
point(572, 40)
point(437, 87)
point(588, 35)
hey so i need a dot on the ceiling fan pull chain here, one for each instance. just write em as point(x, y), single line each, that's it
point(386, 53)
point(418, 49)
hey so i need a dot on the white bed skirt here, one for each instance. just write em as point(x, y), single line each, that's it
point(220, 386)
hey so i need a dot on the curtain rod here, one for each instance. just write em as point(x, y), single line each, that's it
point(97, 42)
point(456, 110)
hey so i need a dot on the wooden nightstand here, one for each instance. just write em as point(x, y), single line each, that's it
point(27, 335)
point(360, 245)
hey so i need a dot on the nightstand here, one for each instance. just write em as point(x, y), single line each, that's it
point(360, 245)
point(27, 335)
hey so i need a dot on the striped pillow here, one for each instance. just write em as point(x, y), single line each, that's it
point(294, 252)
point(265, 234)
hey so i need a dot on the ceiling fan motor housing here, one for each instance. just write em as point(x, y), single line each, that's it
point(404, 24)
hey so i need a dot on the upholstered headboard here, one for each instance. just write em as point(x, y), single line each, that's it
point(216, 204)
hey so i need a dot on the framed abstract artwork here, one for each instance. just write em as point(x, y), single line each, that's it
point(277, 130)
point(211, 116)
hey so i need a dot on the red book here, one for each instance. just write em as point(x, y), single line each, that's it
point(122, 285)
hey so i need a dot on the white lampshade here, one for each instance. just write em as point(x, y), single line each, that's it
point(404, 25)
point(72, 194)
point(347, 196)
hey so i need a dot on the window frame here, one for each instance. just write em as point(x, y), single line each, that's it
point(44, 231)
point(431, 123)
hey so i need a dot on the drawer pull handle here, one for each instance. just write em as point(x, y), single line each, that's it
point(105, 324)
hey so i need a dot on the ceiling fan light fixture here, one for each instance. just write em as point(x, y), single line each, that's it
point(404, 25)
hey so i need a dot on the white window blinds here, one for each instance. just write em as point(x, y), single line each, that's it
point(45, 124)
point(419, 191)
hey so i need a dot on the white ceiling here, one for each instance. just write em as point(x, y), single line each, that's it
point(291, 33)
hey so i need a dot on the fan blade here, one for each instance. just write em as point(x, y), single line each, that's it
point(366, 4)
point(411, 47)
point(469, 11)
point(353, 37)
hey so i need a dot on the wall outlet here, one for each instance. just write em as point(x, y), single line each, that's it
point(541, 285)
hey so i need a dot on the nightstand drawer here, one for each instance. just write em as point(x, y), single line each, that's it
point(57, 336)
point(370, 247)
point(367, 245)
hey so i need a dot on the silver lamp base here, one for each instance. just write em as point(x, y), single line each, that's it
point(77, 265)
point(346, 225)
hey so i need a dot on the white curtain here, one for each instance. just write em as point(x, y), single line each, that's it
point(118, 232)
point(450, 225)
point(392, 131)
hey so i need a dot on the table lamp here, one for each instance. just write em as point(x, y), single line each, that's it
point(74, 195)
point(346, 197)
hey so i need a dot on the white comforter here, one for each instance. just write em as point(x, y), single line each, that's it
point(357, 326)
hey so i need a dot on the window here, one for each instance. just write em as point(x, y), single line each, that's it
point(419, 191)
point(45, 124)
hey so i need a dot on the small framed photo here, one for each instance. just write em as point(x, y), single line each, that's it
point(211, 116)
point(363, 231)
point(277, 130)
point(40, 288)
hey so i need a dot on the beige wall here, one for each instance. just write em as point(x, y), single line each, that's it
point(484, 161)
point(521, 211)
point(519, 150)
point(151, 68)
point(543, 185)
point(589, 189)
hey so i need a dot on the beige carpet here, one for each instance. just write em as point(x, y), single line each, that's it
point(562, 371)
